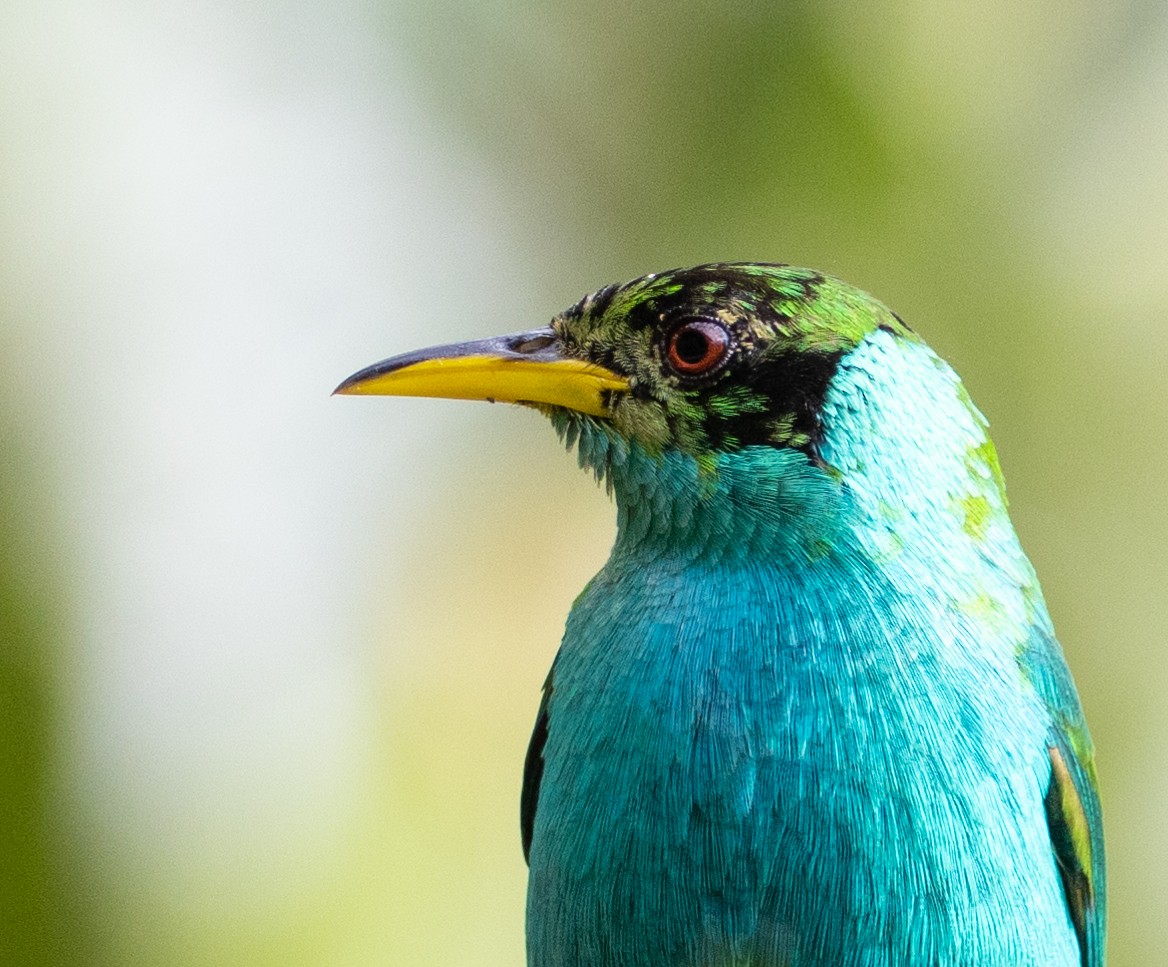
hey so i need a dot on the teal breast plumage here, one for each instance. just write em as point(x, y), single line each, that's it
point(812, 712)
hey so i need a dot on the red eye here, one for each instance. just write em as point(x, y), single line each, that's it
point(696, 347)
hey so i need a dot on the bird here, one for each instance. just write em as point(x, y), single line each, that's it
point(812, 711)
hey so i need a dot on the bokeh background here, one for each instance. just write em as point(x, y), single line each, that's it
point(270, 659)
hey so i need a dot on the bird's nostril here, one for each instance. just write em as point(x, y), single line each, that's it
point(532, 344)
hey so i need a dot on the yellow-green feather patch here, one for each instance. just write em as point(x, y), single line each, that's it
point(975, 511)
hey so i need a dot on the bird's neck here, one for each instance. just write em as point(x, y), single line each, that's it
point(926, 494)
point(756, 504)
point(753, 505)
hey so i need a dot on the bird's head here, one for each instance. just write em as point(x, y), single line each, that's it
point(702, 361)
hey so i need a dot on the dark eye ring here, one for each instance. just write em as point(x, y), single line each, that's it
point(697, 347)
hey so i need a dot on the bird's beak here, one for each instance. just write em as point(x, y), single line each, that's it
point(523, 367)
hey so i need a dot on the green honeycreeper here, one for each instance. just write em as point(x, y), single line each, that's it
point(812, 712)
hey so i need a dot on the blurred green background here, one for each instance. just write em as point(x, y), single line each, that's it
point(270, 659)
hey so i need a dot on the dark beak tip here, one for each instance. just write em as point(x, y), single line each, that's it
point(347, 386)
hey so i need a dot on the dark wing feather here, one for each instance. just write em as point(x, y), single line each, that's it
point(1070, 834)
point(533, 769)
point(1073, 813)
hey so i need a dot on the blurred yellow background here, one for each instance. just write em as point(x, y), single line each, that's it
point(270, 659)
